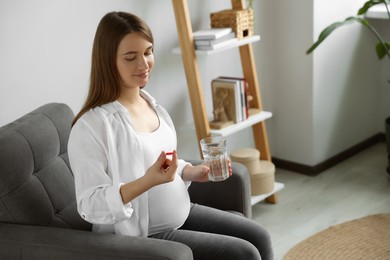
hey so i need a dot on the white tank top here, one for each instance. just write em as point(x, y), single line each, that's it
point(169, 203)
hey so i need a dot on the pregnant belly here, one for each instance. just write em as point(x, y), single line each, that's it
point(169, 206)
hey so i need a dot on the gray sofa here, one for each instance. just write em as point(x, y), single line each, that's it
point(38, 216)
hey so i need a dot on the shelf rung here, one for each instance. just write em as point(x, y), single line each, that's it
point(257, 198)
point(234, 44)
point(254, 119)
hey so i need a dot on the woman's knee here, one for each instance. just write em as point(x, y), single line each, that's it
point(259, 237)
point(244, 250)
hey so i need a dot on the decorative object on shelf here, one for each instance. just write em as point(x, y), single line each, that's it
point(263, 179)
point(247, 156)
point(253, 111)
point(228, 102)
point(241, 21)
point(262, 172)
point(221, 102)
point(243, 93)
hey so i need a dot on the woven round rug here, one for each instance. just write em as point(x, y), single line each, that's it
point(364, 238)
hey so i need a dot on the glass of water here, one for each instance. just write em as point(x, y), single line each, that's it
point(216, 157)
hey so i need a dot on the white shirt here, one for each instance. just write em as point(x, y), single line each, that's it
point(104, 153)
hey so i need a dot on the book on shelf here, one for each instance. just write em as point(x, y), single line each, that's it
point(244, 93)
point(228, 100)
point(208, 42)
point(216, 45)
point(211, 33)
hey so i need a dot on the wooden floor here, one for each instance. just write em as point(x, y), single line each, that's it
point(357, 187)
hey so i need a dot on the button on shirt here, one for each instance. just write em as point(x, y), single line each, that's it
point(104, 153)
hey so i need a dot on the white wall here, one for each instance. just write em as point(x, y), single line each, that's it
point(325, 102)
point(286, 74)
point(346, 82)
point(45, 51)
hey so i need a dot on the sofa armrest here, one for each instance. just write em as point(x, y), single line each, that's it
point(233, 194)
point(34, 242)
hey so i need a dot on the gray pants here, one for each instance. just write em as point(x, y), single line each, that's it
point(216, 234)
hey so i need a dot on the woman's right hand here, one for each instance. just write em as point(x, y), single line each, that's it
point(163, 170)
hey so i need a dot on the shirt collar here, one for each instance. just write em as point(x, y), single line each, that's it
point(115, 106)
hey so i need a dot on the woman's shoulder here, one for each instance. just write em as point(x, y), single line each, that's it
point(91, 117)
point(95, 118)
point(88, 125)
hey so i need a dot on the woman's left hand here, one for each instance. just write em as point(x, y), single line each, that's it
point(200, 173)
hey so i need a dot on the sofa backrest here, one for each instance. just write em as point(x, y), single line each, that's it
point(36, 183)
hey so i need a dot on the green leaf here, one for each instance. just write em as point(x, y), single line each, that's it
point(328, 30)
point(382, 49)
point(367, 5)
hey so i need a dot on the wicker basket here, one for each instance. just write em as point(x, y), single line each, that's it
point(241, 21)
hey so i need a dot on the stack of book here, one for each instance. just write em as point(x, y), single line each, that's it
point(213, 38)
point(230, 101)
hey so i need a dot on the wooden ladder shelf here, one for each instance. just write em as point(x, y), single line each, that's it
point(195, 89)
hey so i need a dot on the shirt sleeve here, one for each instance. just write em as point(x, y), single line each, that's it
point(98, 198)
point(182, 165)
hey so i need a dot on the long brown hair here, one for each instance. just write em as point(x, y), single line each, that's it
point(104, 84)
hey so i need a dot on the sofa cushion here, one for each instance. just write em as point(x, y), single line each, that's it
point(36, 183)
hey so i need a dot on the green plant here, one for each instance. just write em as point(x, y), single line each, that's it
point(382, 48)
